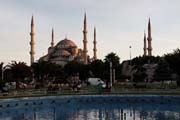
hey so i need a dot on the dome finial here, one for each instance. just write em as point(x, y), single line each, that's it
point(65, 36)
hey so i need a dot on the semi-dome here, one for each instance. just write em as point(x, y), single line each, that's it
point(66, 43)
point(65, 53)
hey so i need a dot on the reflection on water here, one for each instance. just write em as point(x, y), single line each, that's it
point(96, 109)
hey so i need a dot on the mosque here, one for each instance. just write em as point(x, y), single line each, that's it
point(65, 50)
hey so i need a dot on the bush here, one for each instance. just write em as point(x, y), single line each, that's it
point(139, 86)
point(178, 82)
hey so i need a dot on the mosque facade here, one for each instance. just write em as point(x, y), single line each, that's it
point(65, 50)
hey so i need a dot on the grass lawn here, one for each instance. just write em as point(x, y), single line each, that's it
point(94, 90)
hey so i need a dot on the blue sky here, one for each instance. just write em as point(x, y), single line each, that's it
point(119, 23)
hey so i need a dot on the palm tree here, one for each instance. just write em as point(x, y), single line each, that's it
point(113, 58)
point(19, 70)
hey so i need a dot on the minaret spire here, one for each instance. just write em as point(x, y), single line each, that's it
point(85, 40)
point(149, 39)
point(145, 47)
point(95, 42)
point(52, 39)
point(32, 42)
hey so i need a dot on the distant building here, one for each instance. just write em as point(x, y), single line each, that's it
point(66, 50)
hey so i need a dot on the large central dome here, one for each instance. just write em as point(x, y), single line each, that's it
point(66, 43)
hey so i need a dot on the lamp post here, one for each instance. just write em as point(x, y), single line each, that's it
point(130, 53)
point(2, 72)
point(131, 76)
point(114, 75)
point(110, 63)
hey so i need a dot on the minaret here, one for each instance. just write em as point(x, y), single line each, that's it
point(95, 42)
point(32, 42)
point(145, 47)
point(149, 39)
point(85, 40)
point(52, 39)
point(50, 49)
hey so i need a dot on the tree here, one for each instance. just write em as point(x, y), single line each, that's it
point(84, 72)
point(41, 71)
point(1, 68)
point(115, 60)
point(19, 70)
point(97, 67)
point(112, 57)
point(73, 68)
point(173, 61)
point(163, 72)
point(56, 71)
point(139, 75)
point(141, 60)
point(46, 71)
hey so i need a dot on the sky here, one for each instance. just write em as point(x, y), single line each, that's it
point(119, 24)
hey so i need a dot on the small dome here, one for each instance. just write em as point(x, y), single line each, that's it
point(66, 43)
